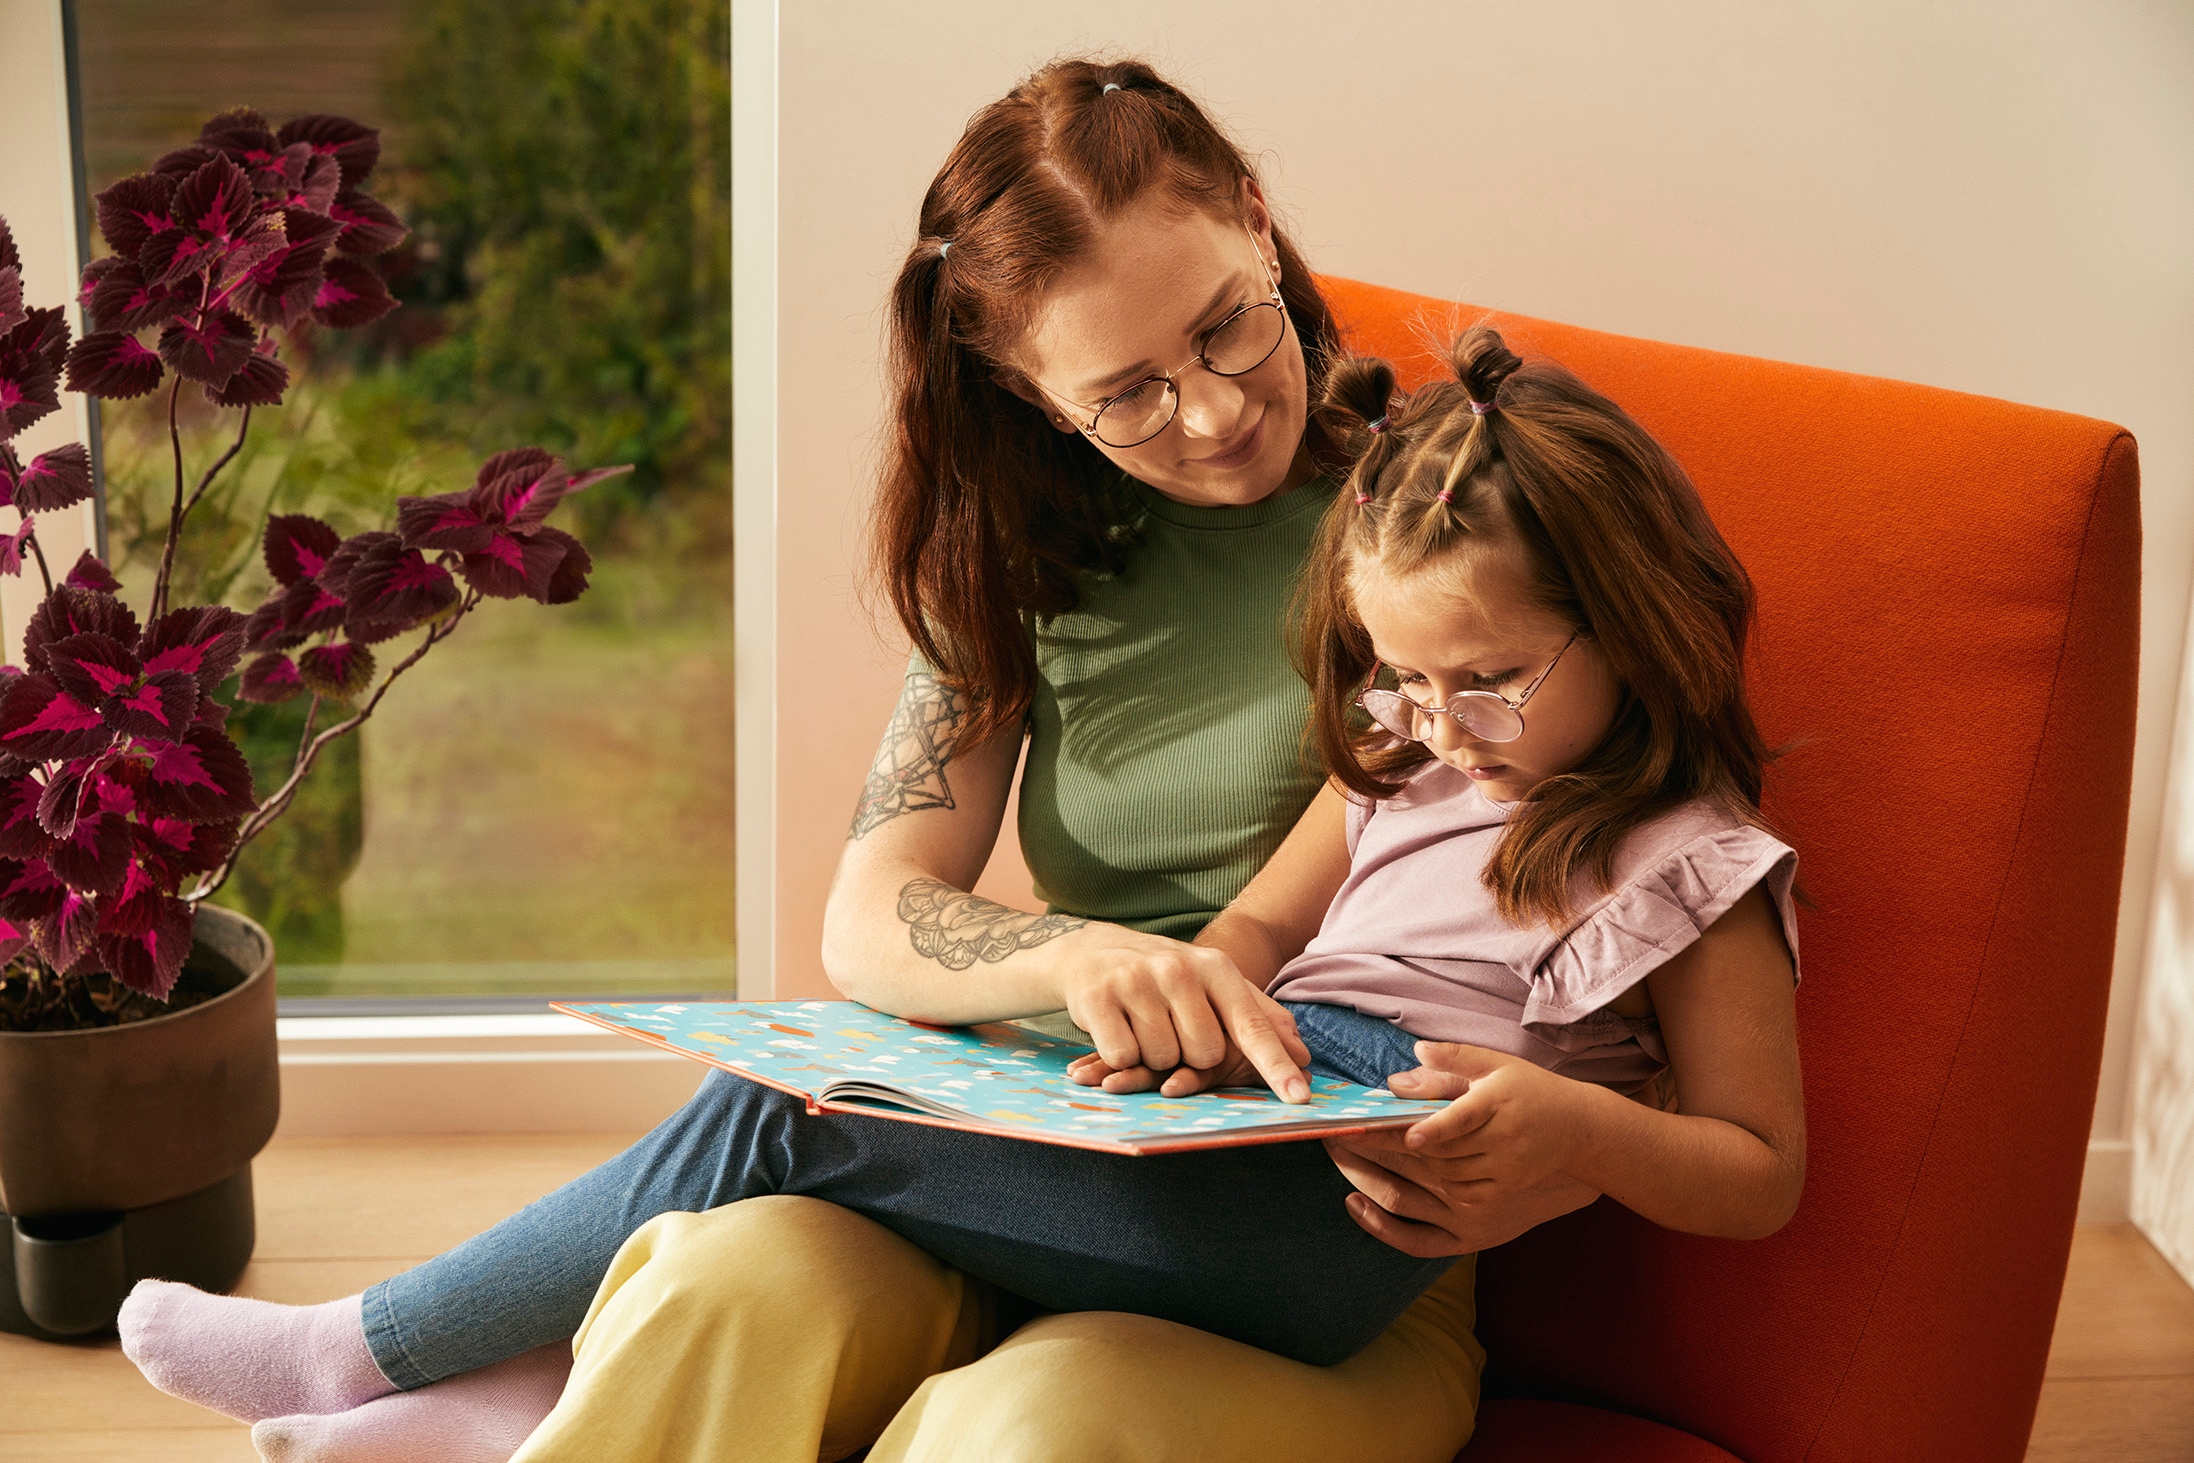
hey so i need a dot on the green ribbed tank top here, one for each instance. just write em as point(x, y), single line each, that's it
point(1166, 759)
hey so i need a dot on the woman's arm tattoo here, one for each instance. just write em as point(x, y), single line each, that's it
point(909, 771)
point(956, 929)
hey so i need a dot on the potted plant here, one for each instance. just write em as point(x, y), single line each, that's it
point(137, 1053)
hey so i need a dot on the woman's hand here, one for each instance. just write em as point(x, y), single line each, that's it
point(1482, 1170)
point(1177, 1017)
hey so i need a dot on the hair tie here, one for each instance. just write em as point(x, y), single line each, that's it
point(1362, 499)
point(1375, 428)
point(1447, 496)
point(1110, 86)
point(1480, 408)
point(944, 247)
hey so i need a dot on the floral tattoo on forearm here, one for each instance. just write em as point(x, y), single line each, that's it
point(909, 772)
point(956, 929)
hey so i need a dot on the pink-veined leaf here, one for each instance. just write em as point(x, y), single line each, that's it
point(113, 365)
point(14, 939)
point(12, 312)
point(205, 641)
point(173, 256)
point(40, 721)
point(95, 856)
point(569, 580)
point(335, 575)
point(216, 203)
point(29, 389)
point(510, 567)
point(184, 161)
point(269, 680)
point(354, 146)
point(263, 629)
point(162, 707)
point(297, 547)
point(280, 288)
point(45, 333)
point(28, 889)
point(241, 133)
point(57, 479)
point(212, 712)
point(73, 611)
point(135, 209)
point(10, 256)
point(369, 227)
point(208, 349)
point(92, 665)
point(308, 609)
point(68, 790)
point(64, 937)
point(11, 546)
point(338, 672)
point(122, 300)
point(21, 834)
point(88, 573)
point(392, 588)
point(444, 521)
point(175, 849)
point(259, 382)
point(350, 295)
point(150, 962)
point(201, 778)
point(133, 907)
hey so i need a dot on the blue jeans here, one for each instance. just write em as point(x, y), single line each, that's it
point(1250, 1243)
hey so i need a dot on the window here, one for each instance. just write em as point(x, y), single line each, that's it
point(544, 805)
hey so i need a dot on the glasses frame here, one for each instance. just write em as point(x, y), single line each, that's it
point(1448, 708)
point(1173, 392)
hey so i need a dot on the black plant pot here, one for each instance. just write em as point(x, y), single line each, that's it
point(125, 1152)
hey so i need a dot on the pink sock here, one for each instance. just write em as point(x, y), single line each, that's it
point(475, 1417)
point(249, 1359)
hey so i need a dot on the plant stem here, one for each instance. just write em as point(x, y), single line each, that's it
point(223, 461)
point(308, 752)
point(43, 572)
point(175, 512)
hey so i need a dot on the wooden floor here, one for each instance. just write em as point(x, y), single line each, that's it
point(336, 1215)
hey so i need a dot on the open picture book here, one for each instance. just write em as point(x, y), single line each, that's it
point(842, 1057)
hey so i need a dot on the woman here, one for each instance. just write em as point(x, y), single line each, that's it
point(1104, 480)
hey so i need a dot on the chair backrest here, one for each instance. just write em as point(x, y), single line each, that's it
point(1948, 635)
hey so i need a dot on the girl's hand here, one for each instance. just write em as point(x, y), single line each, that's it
point(1156, 1006)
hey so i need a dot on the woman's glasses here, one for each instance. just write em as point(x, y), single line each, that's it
point(1486, 715)
point(1235, 346)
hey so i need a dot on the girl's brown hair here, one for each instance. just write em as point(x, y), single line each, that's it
point(987, 516)
point(1613, 539)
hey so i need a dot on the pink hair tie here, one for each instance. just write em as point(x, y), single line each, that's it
point(1480, 408)
point(1375, 428)
point(1362, 499)
point(1447, 496)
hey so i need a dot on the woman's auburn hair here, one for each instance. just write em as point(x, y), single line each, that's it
point(1614, 540)
point(988, 517)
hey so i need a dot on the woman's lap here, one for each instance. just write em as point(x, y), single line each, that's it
point(1250, 1243)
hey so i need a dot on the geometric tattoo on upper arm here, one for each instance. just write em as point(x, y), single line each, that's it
point(909, 772)
point(956, 928)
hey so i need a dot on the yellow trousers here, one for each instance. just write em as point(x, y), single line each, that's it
point(788, 1330)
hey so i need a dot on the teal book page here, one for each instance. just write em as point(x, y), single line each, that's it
point(995, 1078)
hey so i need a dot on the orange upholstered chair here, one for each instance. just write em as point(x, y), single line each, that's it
point(1947, 636)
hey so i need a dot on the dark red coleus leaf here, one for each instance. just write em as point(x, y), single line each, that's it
point(269, 679)
point(215, 204)
point(99, 671)
point(11, 546)
point(45, 333)
point(91, 665)
point(29, 389)
point(350, 294)
point(369, 227)
point(70, 610)
point(64, 937)
point(209, 349)
point(22, 836)
point(135, 209)
point(355, 147)
point(95, 856)
point(241, 133)
point(569, 580)
point(14, 939)
point(520, 489)
point(281, 287)
point(133, 906)
point(263, 630)
point(122, 300)
point(338, 671)
point(308, 609)
point(89, 573)
point(12, 312)
point(199, 779)
point(10, 256)
point(335, 578)
point(512, 566)
point(150, 962)
point(297, 547)
point(113, 365)
point(28, 889)
point(205, 641)
point(260, 382)
point(392, 588)
point(444, 521)
point(39, 720)
point(184, 161)
point(172, 848)
point(212, 712)
point(56, 479)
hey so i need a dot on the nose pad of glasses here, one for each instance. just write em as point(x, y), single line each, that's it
point(1490, 720)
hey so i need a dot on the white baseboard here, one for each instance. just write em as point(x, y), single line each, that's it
point(472, 1074)
point(2106, 1188)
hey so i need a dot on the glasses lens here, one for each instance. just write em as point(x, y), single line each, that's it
point(1136, 415)
point(1245, 342)
point(1397, 713)
point(1488, 718)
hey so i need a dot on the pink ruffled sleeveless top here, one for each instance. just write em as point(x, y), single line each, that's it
point(1414, 937)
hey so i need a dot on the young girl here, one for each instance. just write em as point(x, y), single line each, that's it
point(1548, 856)
point(1566, 761)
